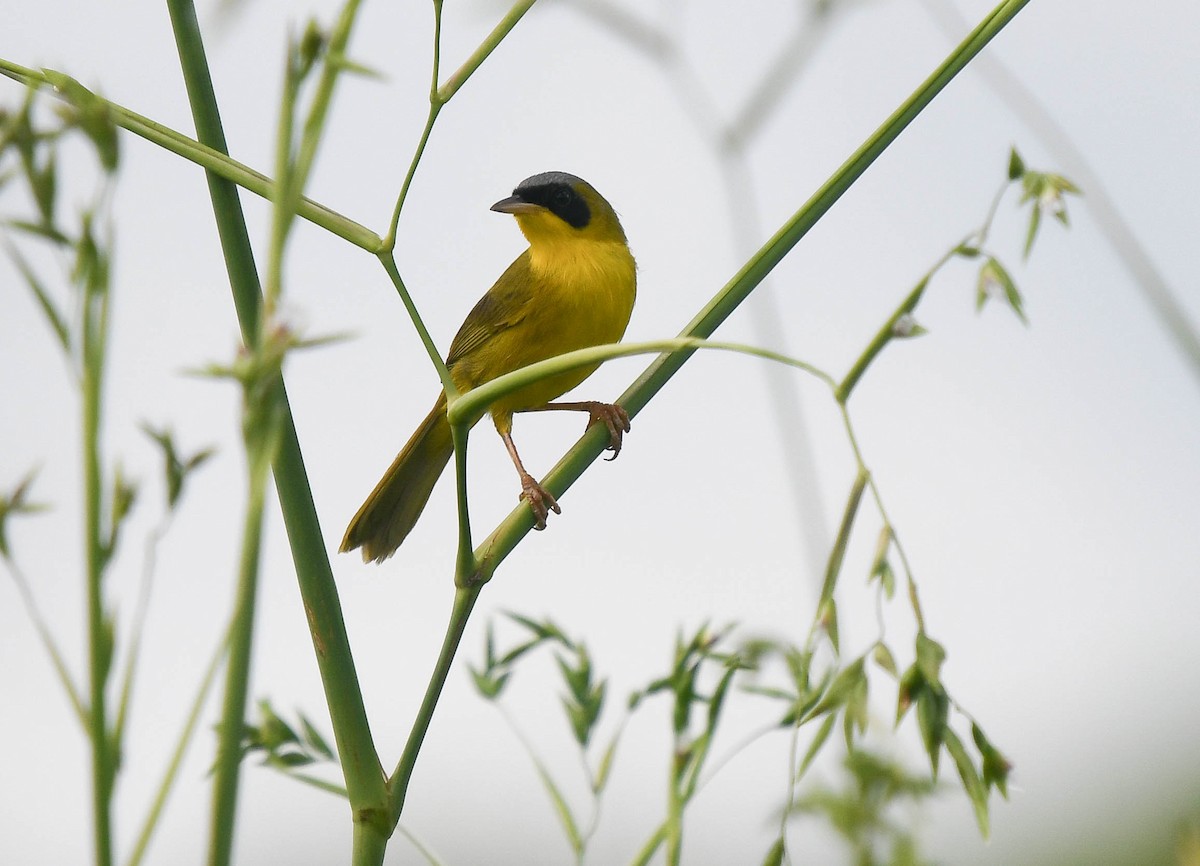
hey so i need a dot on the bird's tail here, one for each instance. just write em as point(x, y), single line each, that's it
point(392, 509)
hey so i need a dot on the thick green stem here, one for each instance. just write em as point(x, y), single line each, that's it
point(365, 783)
point(100, 639)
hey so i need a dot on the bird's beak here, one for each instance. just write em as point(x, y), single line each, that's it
point(514, 204)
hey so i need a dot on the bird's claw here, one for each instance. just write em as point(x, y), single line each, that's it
point(615, 419)
point(540, 501)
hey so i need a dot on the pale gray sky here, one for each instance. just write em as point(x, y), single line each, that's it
point(1042, 479)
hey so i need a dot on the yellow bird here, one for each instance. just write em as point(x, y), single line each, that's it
point(573, 288)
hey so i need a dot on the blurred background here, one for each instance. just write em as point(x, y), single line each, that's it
point(1042, 479)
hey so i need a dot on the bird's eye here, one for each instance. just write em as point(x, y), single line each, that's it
point(562, 196)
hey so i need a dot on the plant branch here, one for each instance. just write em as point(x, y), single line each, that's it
point(356, 749)
point(212, 159)
point(519, 522)
point(464, 601)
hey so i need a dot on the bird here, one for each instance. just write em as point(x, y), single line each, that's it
point(574, 287)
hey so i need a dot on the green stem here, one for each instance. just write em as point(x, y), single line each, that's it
point(673, 826)
point(100, 648)
point(464, 72)
point(882, 337)
point(651, 847)
point(369, 845)
point(172, 771)
point(518, 523)
point(389, 265)
point(464, 601)
point(237, 671)
point(214, 160)
point(465, 564)
point(57, 659)
point(356, 749)
point(888, 331)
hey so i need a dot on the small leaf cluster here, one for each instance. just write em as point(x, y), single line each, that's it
point(583, 699)
point(288, 747)
point(696, 705)
point(1042, 192)
point(921, 684)
point(16, 502)
point(861, 812)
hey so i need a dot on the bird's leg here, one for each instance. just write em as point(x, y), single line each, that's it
point(538, 497)
point(610, 415)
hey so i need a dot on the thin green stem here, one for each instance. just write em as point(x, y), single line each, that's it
point(887, 520)
point(647, 852)
point(673, 826)
point(882, 337)
point(435, 107)
point(286, 190)
point(211, 159)
point(47, 637)
point(465, 564)
point(464, 601)
point(318, 113)
point(431, 349)
point(887, 332)
point(519, 522)
point(446, 92)
point(237, 671)
point(185, 737)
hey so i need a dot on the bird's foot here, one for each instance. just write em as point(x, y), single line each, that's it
point(614, 418)
point(539, 499)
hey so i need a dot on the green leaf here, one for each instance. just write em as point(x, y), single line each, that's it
point(828, 617)
point(488, 684)
point(967, 251)
point(930, 656)
point(273, 731)
point(884, 658)
point(176, 469)
point(605, 766)
point(814, 747)
point(933, 712)
point(993, 279)
point(996, 767)
point(287, 760)
point(1016, 165)
point(1035, 222)
point(561, 808)
point(840, 689)
point(45, 232)
point(972, 784)
point(775, 853)
point(545, 631)
point(55, 319)
point(519, 650)
point(16, 502)
point(313, 738)
point(855, 713)
point(43, 183)
point(912, 684)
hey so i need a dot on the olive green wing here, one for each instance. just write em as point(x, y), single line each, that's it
point(505, 305)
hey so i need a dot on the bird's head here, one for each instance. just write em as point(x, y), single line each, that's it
point(555, 207)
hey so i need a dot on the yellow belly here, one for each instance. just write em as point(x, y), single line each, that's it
point(571, 300)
